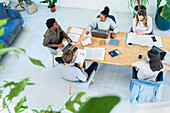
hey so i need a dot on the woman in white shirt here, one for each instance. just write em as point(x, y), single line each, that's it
point(103, 23)
point(149, 71)
point(142, 24)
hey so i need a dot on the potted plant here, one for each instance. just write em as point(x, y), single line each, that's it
point(162, 18)
point(141, 4)
point(51, 4)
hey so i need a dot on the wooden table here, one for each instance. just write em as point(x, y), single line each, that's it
point(127, 55)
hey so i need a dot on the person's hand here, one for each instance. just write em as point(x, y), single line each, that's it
point(69, 40)
point(139, 33)
point(80, 65)
point(60, 45)
point(113, 35)
point(87, 32)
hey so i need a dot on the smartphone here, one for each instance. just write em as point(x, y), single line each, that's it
point(74, 49)
point(140, 57)
point(154, 39)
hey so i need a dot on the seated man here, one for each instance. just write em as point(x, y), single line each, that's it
point(54, 35)
point(72, 72)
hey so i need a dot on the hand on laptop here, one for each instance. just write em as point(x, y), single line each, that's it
point(87, 32)
point(113, 35)
point(140, 33)
point(60, 45)
point(69, 40)
point(80, 65)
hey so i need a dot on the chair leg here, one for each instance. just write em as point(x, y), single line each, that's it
point(85, 93)
point(92, 81)
point(53, 60)
point(69, 89)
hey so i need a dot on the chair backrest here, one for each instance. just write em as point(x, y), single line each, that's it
point(109, 16)
point(144, 90)
point(83, 85)
point(53, 51)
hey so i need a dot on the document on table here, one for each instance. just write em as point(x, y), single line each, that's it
point(75, 34)
point(86, 42)
point(167, 58)
point(143, 40)
point(81, 55)
point(95, 53)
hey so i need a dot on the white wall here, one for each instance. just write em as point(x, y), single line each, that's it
point(114, 5)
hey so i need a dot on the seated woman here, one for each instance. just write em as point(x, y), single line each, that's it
point(142, 24)
point(103, 23)
point(149, 71)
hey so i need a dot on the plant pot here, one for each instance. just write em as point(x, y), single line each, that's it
point(53, 9)
point(135, 9)
point(161, 23)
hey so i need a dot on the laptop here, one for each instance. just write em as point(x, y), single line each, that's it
point(160, 51)
point(68, 46)
point(100, 34)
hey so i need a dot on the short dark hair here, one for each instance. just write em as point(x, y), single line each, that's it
point(155, 62)
point(105, 12)
point(68, 56)
point(50, 22)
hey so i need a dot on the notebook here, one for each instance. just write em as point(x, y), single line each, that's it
point(86, 42)
point(113, 42)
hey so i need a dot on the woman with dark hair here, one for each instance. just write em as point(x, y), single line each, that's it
point(149, 71)
point(142, 23)
point(103, 23)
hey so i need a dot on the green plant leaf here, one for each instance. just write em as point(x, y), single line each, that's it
point(9, 84)
point(70, 104)
point(49, 108)
point(1, 31)
point(36, 62)
point(20, 104)
point(35, 111)
point(9, 49)
point(30, 83)
point(166, 12)
point(19, 87)
point(1, 45)
point(158, 3)
point(99, 104)
point(2, 67)
point(168, 3)
point(20, 1)
point(3, 22)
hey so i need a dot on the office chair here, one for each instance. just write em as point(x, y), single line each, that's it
point(81, 85)
point(131, 30)
point(142, 91)
point(52, 52)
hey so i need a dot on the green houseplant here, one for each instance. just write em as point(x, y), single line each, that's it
point(137, 5)
point(51, 4)
point(162, 18)
point(28, 2)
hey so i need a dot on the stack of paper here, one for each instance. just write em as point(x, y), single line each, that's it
point(81, 55)
point(95, 53)
point(86, 42)
point(75, 34)
point(143, 40)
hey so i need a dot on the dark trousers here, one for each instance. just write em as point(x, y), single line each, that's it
point(92, 67)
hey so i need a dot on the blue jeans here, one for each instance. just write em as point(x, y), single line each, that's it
point(92, 67)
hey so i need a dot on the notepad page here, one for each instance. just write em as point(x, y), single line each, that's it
point(90, 52)
point(76, 31)
point(81, 55)
point(99, 53)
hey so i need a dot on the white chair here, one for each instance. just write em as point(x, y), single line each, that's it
point(53, 52)
point(81, 85)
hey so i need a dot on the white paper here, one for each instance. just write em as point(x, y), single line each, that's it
point(76, 31)
point(74, 37)
point(86, 42)
point(95, 53)
point(167, 58)
point(144, 40)
point(81, 55)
